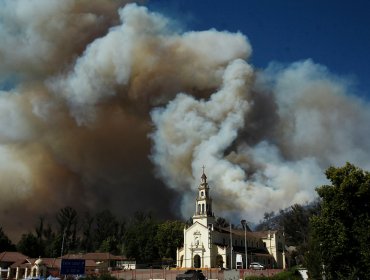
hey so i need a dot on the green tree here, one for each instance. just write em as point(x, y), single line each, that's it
point(139, 238)
point(341, 229)
point(295, 221)
point(40, 233)
point(41, 242)
point(221, 222)
point(168, 238)
point(312, 259)
point(109, 245)
point(108, 232)
point(270, 221)
point(67, 219)
point(87, 235)
point(29, 245)
point(51, 248)
point(5, 243)
point(106, 226)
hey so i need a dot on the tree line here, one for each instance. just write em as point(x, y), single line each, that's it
point(142, 238)
point(331, 235)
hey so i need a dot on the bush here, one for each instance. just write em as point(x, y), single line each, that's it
point(254, 277)
point(100, 277)
point(285, 275)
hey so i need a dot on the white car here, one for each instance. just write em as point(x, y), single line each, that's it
point(256, 265)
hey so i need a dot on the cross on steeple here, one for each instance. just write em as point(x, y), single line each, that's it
point(203, 177)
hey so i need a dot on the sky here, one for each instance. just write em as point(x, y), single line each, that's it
point(118, 105)
point(332, 33)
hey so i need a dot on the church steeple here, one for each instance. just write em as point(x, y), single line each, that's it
point(204, 177)
point(203, 205)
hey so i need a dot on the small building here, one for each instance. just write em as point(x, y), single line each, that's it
point(207, 245)
point(105, 261)
point(25, 267)
point(98, 262)
point(14, 265)
point(7, 260)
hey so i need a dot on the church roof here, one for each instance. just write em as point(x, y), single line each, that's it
point(196, 223)
point(240, 232)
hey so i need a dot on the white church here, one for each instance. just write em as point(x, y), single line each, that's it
point(207, 245)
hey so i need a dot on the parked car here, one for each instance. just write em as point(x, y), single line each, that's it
point(256, 265)
point(191, 275)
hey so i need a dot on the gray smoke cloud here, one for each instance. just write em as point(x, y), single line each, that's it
point(266, 141)
point(104, 104)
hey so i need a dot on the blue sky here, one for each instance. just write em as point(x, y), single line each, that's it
point(332, 33)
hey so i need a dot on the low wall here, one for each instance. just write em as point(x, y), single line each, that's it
point(165, 274)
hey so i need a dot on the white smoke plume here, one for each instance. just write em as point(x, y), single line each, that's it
point(271, 141)
point(104, 103)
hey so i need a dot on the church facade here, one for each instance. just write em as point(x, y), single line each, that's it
point(209, 245)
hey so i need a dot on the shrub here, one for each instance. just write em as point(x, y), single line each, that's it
point(285, 275)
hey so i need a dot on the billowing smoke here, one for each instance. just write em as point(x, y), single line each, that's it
point(104, 104)
point(266, 137)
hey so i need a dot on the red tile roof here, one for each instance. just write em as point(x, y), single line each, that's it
point(19, 259)
point(73, 256)
point(102, 256)
point(11, 257)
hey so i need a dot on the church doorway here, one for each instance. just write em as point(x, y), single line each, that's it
point(197, 261)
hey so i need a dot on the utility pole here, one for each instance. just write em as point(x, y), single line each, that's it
point(61, 250)
point(244, 223)
point(231, 249)
point(284, 264)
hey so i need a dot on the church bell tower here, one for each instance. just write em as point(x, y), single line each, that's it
point(203, 206)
